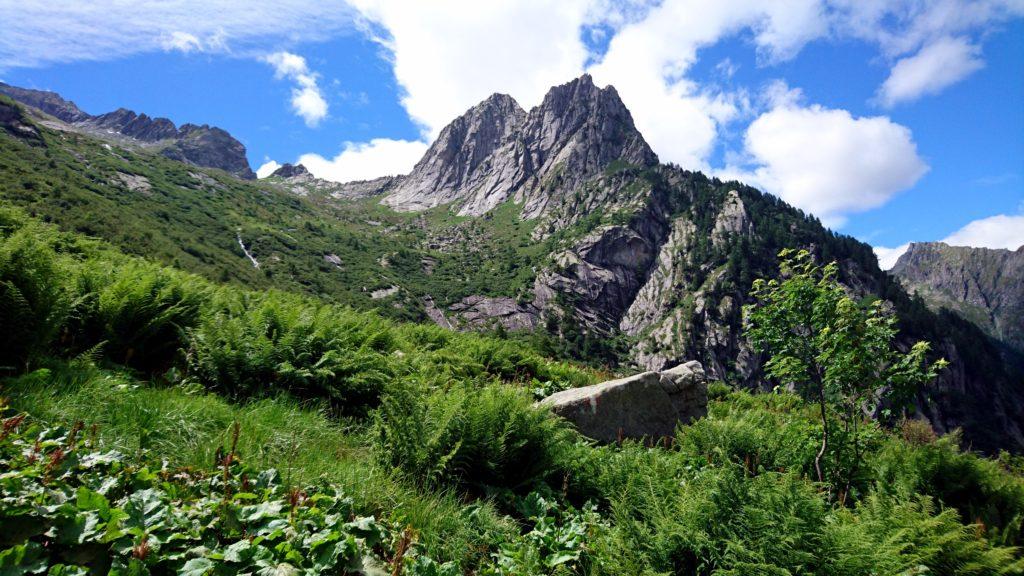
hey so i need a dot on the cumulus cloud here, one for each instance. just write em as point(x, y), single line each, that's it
point(366, 160)
point(267, 168)
point(307, 100)
point(933, 69)
point(887, 257)
point(827, 161)
point(1000, 231)
point(448, 55)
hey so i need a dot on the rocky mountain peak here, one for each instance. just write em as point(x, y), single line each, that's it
point(496, 151)
point(290, 171)
point(460, 160)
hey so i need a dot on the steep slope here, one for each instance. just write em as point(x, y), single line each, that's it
point(985, 286)
point(206, 146)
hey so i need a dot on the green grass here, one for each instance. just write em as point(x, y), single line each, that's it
point(188, 427)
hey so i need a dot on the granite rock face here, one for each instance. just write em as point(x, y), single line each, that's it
point(496, 152)
point(643, 406)
point(984, 285)
point(205, 146)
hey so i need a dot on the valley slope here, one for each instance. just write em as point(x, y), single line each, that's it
point(558, 222)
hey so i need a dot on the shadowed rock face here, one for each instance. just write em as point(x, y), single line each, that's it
point(984, 285)
point(204, 145)
point(496, 151)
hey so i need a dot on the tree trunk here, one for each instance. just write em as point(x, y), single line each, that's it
point(824, 436)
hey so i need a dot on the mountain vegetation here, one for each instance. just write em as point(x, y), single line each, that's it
point(208, 375)
point(147, 407)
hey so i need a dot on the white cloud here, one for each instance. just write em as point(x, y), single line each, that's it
point(366, 160)
point(267, 168)
point(42, 33)
point(828, 162)
point(307, 100)
point(183, 42)
point(448, 55)
point(648, 60)
point(933, 69)
point(887, 257)
point(999, 231)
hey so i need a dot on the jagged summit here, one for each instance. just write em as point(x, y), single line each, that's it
point(496, 151)
point(290, 170)
point(204, 145)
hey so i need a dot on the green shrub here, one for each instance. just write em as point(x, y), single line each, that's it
point(137, 313)
point(255, 346)
point(34, 293)
point(475, 438)
point(983, 492)
point(886, 535)
point(72, 509)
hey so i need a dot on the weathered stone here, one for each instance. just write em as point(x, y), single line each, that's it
point(648, 405)
point(483, 311)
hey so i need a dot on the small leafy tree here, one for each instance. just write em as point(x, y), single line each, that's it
point(835, 351)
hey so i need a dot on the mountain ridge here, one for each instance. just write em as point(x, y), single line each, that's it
point(983, 284)
point(201, 145)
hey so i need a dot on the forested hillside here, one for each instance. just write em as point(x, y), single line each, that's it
point(145, 406)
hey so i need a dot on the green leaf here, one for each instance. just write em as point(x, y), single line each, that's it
point(197, 567)
point(145, 510)
point(22, 559)
point(241, 551)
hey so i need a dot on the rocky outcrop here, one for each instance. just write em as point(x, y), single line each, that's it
point(13, 121)
point(205, 146)
point(644, 406)
point(211, 147)
point(137, 126)
point(290, 171)
point(985, 286)
point(487, 312)
point(478, 158)
point(496, 152)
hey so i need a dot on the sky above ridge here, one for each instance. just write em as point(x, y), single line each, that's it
point(893, 121)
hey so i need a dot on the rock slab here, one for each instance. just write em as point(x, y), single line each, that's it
point(648, 405)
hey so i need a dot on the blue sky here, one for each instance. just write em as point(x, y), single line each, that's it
point(892, 121)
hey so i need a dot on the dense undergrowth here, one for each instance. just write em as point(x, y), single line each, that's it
point(433, 434)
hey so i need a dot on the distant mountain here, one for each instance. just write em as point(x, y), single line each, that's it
point(557, 225)
point(496, 152)
point(204, 145)
point(984, 285)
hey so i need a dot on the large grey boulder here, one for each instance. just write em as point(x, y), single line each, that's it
point(648, 405)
